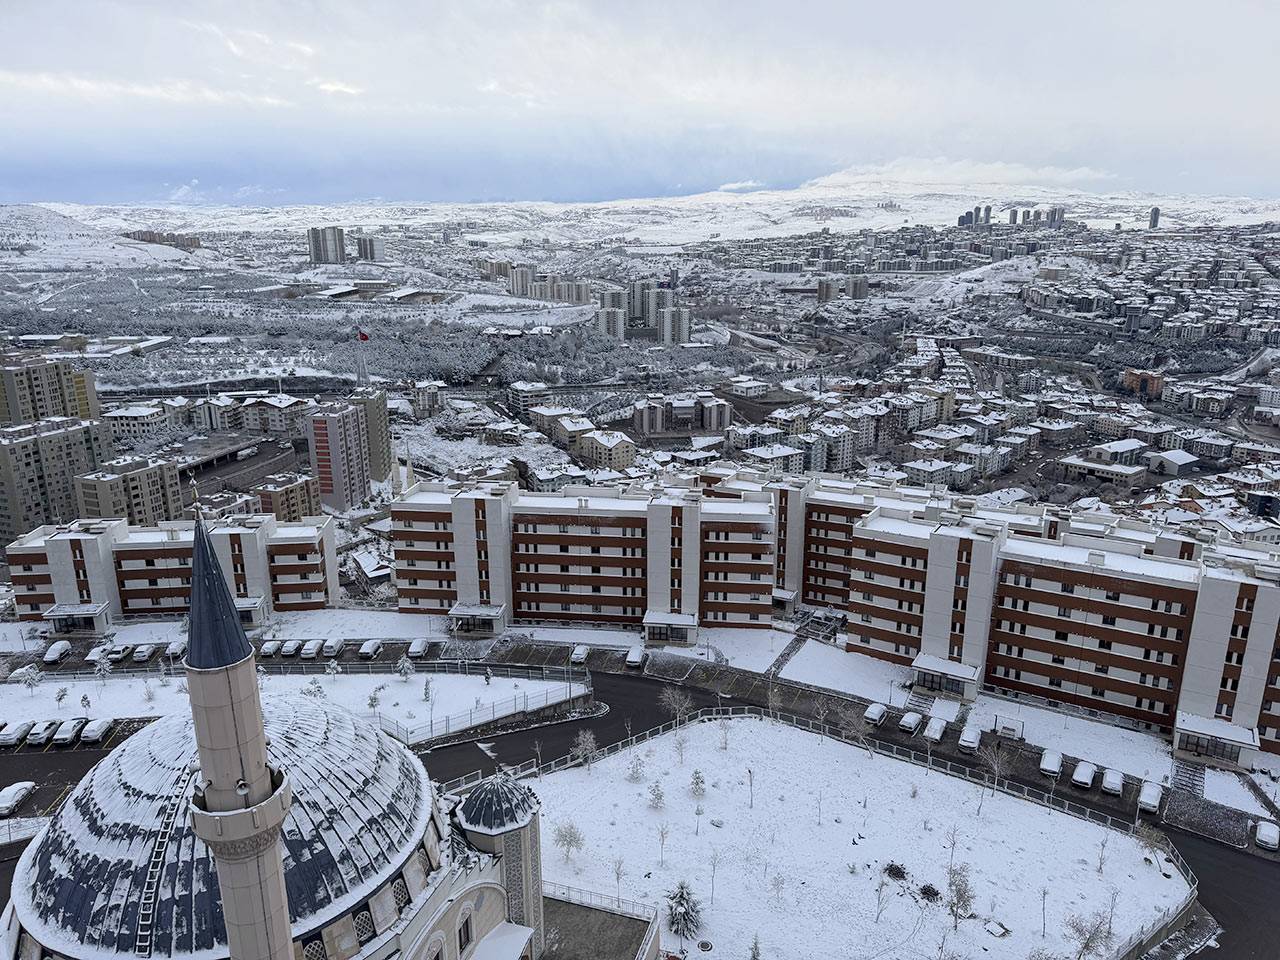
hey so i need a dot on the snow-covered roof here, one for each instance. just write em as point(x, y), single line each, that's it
point(498, 803)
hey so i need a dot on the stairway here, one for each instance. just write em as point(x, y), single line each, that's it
point(921, 703)
point(1189, 776)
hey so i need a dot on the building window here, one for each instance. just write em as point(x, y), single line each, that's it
point(464, 934)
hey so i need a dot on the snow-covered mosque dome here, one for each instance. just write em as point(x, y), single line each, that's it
point(120, 869)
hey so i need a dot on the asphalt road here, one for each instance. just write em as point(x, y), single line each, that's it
point(1241, 892)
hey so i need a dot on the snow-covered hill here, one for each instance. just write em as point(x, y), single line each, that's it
point(38, 237)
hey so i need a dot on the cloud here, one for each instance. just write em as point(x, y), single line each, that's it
point(187, 192)
point(335, 86)
point(941, 170)
point(97, 88)
point(740, 186)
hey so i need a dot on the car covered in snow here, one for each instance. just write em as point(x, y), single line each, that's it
point(910, 722)
point(58, 651)
point(970, 739)
point(1267, 835)
point(579, 654)
point(176, 648)
point(12, 796)
point(42, 732)
point(144, 652)
point(1051, 763)
point(333, 648)
point(311, 649)
point(1112, 781)
point(418, 648)
point(291, 648)
point(875, 713)
point(1149, 797)
point(934, 729)
point(371, 650)
point(269, 649)
point(119, 652)
point(69, 730)
point(636, 656)
point(1083, 775)
point(95, 731)
point(14, 733)
point(97, 653)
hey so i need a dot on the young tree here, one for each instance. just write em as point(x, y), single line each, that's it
point(567, 837)
point(777, 883)
point(84, 702)
point(313, 689)
point(375, 696)
point(855, 729)
point(333, 668)
point(426, 689)
point(952, 837)
point(148, 695)
point(405, 668)
point(682, 743)
point(959, 893)
point(698, 813)
point(102, 670)
point(584, 748)
point(664, 831)
point(882, 896)
point(60, 696)
point(537, 753)
point(698, 785)
point(713, 861)
point(31, 678)
point(635, 769)
point(1044, 917)
point(676, 702)
point(755, 948)
point(619, 871)
point(772, 700)
point(684, 912)
point(656, 798)
point(1088, 935)
point(724, 734)
point(488, 676)
point(1102, 850)
point(820, 714)
point(993, 760)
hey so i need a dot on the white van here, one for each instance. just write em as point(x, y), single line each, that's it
point(1084, 774)
point(1149, 797)
point(311, 649)
point(934, 729)
point(970, 739)
point(874, 714)
point(58, 651)
point(371, 650)
point(910, 722)
point(1051, 764)
point(333, 648)
point(636, 656)
point(1112, 782)
point(1267, 835)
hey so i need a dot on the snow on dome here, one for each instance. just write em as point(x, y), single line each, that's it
point(498, 803)
point(361, 803)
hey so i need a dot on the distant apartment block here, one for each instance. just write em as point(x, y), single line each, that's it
point(611, 322)
point(38, 465)
point(524, 395)
point(289, 496)
point(33, 387)
point(326, 245)
point(339, 443)
point(371, 248)
point(136, 422)
point(142, 490)
point(674, 325)
point(377, 429)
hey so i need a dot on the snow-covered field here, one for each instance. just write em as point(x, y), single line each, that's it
point(355, 625)
point(744, 648)
point(1225, 788)
point(800, 849)
point(823, 665)
point(468, 700)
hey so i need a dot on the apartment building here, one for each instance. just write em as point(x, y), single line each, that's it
point(38, 465)
point(136, 421)
point(89, 573)
point(289, 496)
point(607, 449)
point(278, 415)
point(377, 429)
point(326, 245)
point(33, 387)
point(142, 490)
point(338, 438)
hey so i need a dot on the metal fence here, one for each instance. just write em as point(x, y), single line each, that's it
point(433, 728)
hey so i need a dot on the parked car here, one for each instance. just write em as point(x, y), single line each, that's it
point(291, 648)
point(14, 733)
point(41, 732)
point(1149, 797)
point(69, 730)
point(311, 649)
point(332, 648)
point(910, 722)
point(95, 731)
point(371, 650)
point(970, 739)
point(1112, 782)
point(1267, 835)
point(144, 652)
point(97, 653)
point(176, 648)
point(934, 729)
point(1051, 763)
point(419, 647)
point(874, 714)
point(579, 654)
point(58, 651)
point(636, 656)
point(269, 649)
point(1084, 774)
point(12, 796)
point(119, 651)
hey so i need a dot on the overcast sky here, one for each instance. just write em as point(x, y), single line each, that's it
point(318, 101)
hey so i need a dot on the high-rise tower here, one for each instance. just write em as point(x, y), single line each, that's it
point(240, 800)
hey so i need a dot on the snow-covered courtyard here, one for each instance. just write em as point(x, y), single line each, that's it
point(823, 850)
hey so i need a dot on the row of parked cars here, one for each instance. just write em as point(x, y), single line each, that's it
point(62, 733)
point(118, 652)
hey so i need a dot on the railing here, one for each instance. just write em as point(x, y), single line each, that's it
point(432, 728)
point(320, 665)
point(1069, 709)
point(618, 905)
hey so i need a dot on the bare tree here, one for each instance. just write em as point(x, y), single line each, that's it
point(1102, 849)
point(1044, 919)
point(778, 883)
point(664, 831)
point(626, 725)
point(682, 742)
point(991, 758)
point(619, 871)
point(635, 769)
point(567, 837)
point(1088, 935)
point(882, 896)
point(537, 753)
point(959, 893)
point(584, 748)
point(714, 861)
point(820, 714)
point(855, 728)
point(1111, 909)
point(676, 702)
point(951, 838)
point(698, 813)
point(724, 735)
point(772, 700)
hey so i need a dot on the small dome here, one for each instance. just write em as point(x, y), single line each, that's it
point(361, 803)
point(498, 804)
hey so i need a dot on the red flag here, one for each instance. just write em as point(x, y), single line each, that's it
point(361, 335)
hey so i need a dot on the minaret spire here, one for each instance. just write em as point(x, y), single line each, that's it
point(240, 800)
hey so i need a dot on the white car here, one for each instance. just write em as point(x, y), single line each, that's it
point(875, 713)
point(269, 649)
point(11, 797)
point(144, 652)
point(95, 731)
point(41, 732)
point(14, 733)
point(290, 648)
point(636, 656)
point(97, 653)
point(419, 647)
point(1267, 835)
point(119, 651)
point(69, 730)
point(1149, 797)
point(370, 650)
point(579, 654)
point(176, 648)
point(910, 722)
point(58, 651)
point(1084, 774)
point(333, 648)
point(934, 729)
point(970, 739)
point(1051, 764)
point(1112, 782)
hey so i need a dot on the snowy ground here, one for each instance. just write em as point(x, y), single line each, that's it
point(464, 700)
point(1225, 788)
point(805, 879)
point(823, 665)
point(741, 647)
point(13, 638)
point(355, 625)
point(1131, 751)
